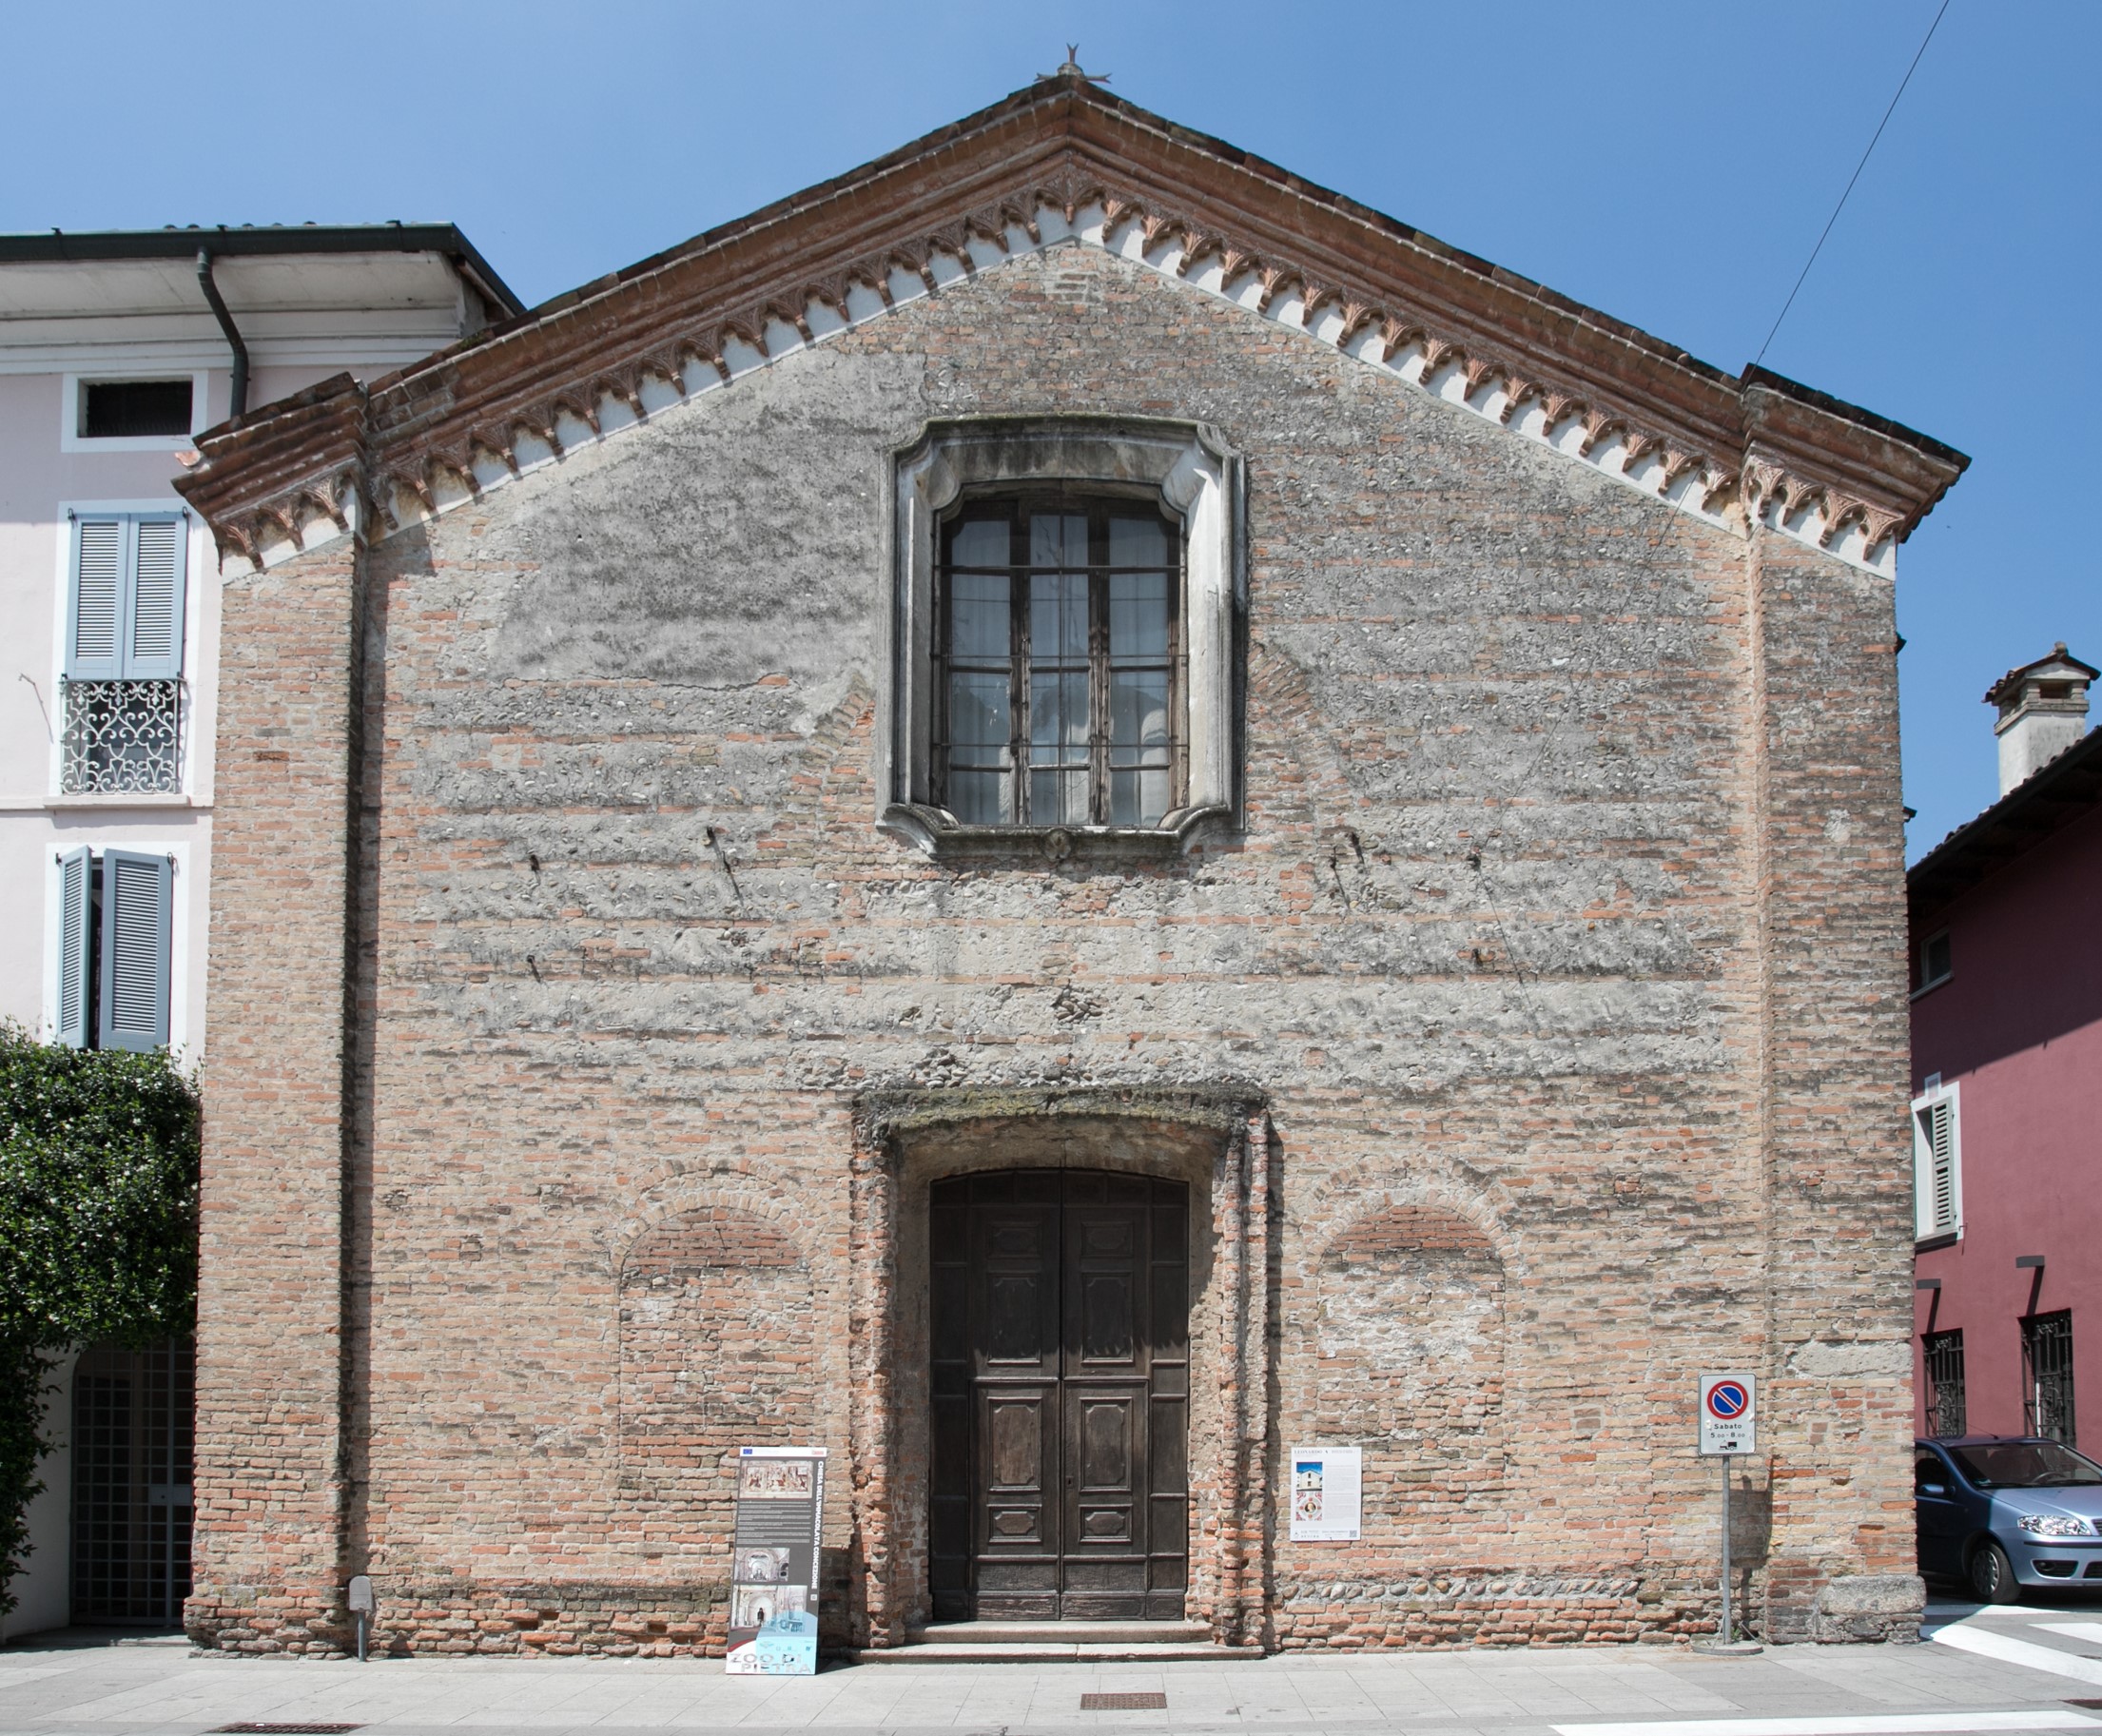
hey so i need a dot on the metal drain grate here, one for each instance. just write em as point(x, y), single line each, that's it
point(285, 1729)
point(1124, 1702)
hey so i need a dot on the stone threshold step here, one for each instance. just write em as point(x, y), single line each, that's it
point(981, 1652)
point(1055, 1633)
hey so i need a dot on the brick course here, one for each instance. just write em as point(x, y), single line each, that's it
point(1556, 972)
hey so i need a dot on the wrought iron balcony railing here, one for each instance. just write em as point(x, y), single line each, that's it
point(122, 738)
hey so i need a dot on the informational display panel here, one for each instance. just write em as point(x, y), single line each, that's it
point(1729, 1415)
point(774, 1561)
point(1328, 1501)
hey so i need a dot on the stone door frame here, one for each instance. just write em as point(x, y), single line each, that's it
point(1216, 1138)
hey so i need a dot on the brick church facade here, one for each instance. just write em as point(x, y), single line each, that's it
point(1063, 815)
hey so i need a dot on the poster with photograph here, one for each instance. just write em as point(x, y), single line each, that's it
point(773, 1562)
point(1327, 1494)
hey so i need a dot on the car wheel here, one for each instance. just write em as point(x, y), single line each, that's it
point(1993, 1575)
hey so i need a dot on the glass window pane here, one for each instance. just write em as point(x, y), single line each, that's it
point(981, 542)
point(979, 626)
point(1058, 539)
point(1058, 798)
point(1138, 615)
point(978, 714)
point(1138, 796)
point(981, 799)
point(1138, 715)
point(1057, 617)
point(1138, 542)
point(1058, 717)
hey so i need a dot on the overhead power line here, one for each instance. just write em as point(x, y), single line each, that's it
point(1857, 175)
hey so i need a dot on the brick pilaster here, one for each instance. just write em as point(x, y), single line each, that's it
point(1837, 1404)
point(270, 1488)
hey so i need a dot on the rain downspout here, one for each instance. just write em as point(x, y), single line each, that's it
point(240, 403)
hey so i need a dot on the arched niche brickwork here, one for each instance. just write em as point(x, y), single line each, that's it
point(718, 1350)
point(1410, 1349)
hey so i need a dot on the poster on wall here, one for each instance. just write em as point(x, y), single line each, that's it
point(773, 1562)
point(1327, 1485)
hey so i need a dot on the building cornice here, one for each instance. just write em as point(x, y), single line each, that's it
point(1064, 162)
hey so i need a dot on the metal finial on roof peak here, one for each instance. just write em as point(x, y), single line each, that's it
point(1072, 69)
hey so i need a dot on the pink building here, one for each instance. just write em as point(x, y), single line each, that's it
point(2007, 1080)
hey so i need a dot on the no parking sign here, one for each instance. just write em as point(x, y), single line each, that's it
point(1730, 1407)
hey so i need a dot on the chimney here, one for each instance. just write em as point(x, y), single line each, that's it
point(2043, 711)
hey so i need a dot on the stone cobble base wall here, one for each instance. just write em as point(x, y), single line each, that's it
point(1489, 1610)
point(463, 1620)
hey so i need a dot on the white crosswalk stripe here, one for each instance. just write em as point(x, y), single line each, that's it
point(1914, 1724)
point(1985, 1643)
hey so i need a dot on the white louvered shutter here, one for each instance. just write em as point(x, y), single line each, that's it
point(95, 608)
point(154, 621)
point(138, 907)
point(76, 947)
point(1941, 1165)
point(1936, 1144)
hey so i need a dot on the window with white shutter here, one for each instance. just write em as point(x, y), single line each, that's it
point(76, 949)
point(1937, 1164)
point(137, 920)
point(116, 931)
point(124, 653)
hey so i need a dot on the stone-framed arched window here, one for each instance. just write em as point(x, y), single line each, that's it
point(1065, 637)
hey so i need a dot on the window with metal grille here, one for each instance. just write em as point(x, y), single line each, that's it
point(2047, 1376)
point(1059, 663)
point(128, 409)
point(134, 1420)
point(1943, 1356)
point(1937, 1164)
point(124, 653)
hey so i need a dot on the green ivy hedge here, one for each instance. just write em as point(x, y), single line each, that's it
point(98, 1232)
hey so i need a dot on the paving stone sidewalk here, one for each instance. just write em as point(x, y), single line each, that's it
point(2021, 1670)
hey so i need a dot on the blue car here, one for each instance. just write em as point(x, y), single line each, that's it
point(2000, 1511)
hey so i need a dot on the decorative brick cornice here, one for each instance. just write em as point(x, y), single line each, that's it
point(1064, 162)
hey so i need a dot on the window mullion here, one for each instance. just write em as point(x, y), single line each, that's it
point(1018, 659)
point(1097, 666)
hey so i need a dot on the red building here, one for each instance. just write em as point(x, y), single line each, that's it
point(2007, 1080)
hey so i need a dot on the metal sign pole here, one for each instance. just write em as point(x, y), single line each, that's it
point(1727, 1416)
point(1727, 1635)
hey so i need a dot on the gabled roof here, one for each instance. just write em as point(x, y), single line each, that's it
point(1065, 161)
point(2068, 789)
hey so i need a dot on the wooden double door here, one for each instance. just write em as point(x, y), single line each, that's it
point(1060, 1328)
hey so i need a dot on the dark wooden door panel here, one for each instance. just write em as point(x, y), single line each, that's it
point(1017, 1555)
point(1060, 1304)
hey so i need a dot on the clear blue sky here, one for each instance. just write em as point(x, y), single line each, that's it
point(1671, 165)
